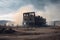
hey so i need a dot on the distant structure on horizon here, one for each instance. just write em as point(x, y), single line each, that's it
point(29, 19)
point(6, 23)
point(54, 23)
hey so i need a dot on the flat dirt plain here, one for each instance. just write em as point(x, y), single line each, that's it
point(43, 33)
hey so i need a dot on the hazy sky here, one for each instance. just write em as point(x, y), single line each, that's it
point(14, 9)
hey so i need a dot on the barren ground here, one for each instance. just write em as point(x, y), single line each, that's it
point(44, 33)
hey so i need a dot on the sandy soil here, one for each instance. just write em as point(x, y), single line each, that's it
point(49, 33)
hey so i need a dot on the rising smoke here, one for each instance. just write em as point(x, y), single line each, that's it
point(50, 9)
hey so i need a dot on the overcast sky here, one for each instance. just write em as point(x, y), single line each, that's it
point(10, 9)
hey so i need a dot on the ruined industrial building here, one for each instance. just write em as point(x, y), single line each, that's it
point(30, 19)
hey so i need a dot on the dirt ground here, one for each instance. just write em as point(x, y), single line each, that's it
point(45, 33)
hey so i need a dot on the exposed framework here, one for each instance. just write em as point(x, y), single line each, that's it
point(28, 18)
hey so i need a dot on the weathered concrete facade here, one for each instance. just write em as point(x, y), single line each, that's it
point(29, 18)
